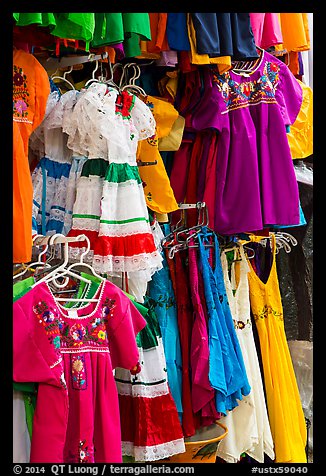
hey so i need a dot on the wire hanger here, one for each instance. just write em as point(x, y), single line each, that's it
point(63, 78)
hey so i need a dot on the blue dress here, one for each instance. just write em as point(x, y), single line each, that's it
point(222, 336)
point(160, 290)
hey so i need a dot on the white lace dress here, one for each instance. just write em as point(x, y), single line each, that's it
point(110, 206)
point(248, 424)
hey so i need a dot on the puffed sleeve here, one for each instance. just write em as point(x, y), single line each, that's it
point(36, 342)
point(143, 119)
point(288, 95)
point(124, 323)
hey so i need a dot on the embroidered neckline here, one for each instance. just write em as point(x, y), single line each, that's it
point(60, 307)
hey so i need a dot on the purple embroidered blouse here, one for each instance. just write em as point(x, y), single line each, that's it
point(255, 179)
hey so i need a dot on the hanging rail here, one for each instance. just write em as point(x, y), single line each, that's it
point(55, 63)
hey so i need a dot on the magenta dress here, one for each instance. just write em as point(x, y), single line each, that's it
point(255, 178)
point(72, 354)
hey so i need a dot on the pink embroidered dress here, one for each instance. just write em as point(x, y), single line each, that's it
point(71, 353)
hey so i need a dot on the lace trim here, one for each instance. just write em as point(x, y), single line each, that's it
point(87, 224)
point(153, 453)
point(149, 391)
point(150, 261)
point(124, 229)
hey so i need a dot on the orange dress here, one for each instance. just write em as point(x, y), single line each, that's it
point(31, 88)
point(285, 412)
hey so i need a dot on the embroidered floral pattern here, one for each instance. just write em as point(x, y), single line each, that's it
point(76, 335)
point(20, 95)
point(78, 372)
point(238, 95)
point(266, 311)
point(152, 140)
point(77, 332)
point(52, 324)
point(124, 104)
point(84, 452)
point(241, 325)
point(107, 307)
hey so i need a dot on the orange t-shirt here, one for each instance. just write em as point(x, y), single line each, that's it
point(31, 88)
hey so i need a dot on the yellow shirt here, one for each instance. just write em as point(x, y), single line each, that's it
point(300, 136)
point(157, 188)
point(285, 412)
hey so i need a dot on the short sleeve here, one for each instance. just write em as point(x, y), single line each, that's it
point(36, 352)
point(122, 327)
point(143, 119)
point(210, 111)
point(288, 95)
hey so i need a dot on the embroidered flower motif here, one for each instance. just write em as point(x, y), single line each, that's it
point(78, 365)
point(18, 79)
point(77, 332)
point(152, 140)
point(84, 453)
point(56, 342)
point(107, 308)
point(241, 324)
point(20, 106)
point(96, 322)
point(78, 372)
point(101, 335)
point(48, 316)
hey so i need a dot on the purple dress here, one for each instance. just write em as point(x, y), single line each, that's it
point(255, 179)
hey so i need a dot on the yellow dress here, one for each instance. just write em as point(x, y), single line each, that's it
point(300, 137)
point(283, 399)
point(157, 188)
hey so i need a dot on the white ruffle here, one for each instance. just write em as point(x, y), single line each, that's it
point(153, 453)
point(128, 389)
point(123, 229)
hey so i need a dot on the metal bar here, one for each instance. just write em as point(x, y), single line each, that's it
point(41, 241)
point(185, 206)
point(55, 63)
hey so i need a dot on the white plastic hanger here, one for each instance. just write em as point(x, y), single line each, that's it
point(62, 270)
point(93, 79)
point(132, 84)
point(39, 262)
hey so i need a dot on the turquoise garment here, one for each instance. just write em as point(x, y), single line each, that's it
point(302, 222)
point(227, 373)
point(162, 299)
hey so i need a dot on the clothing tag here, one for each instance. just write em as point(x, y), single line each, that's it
point(72, 313)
